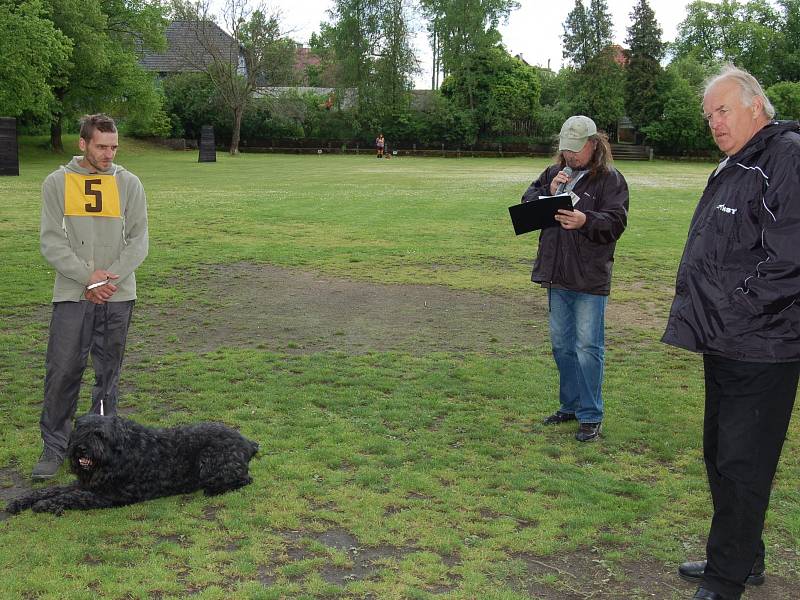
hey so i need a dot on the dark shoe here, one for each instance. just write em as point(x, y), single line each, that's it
point(704, 594)
point(693, 572)
point(559, 417)
point(588, 432)
point(48, 465)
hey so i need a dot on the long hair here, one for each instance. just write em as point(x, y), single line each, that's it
point(601, 160)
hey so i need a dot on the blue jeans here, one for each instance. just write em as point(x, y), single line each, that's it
point(577, 334)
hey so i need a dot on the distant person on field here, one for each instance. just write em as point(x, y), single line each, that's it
point(574, 262)
point(379, 145)
point(93, 229)
point(736, 303)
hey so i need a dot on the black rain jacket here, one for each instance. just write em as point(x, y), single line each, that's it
point(738, 282)
point(581, 260)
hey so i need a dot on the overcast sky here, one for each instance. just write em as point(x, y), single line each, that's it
point(534, 30)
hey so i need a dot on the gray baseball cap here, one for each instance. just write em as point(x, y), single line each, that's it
point(575, 133)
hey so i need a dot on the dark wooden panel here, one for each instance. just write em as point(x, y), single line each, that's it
point(9, 153)
point(208, 151)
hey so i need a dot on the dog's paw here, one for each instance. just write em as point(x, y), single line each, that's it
point(49, 506)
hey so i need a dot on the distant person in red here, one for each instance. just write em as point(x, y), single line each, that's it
point(379, 144)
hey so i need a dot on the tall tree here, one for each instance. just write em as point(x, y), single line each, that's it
point(785, 97)
point(255, 55)
point(576, 41)
point(459, 28)
point(500, 89)
point(33, 51)
point(601, 27)
point(395, 62)
point(642, 100)
point(105, 36)
point(787, 64)
point(644, 33)
point(681, 127)
point(587, 32)
point(371, 43)
point(599, 89)
point(746, 34)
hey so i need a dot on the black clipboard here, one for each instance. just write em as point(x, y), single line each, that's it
point(539, 213)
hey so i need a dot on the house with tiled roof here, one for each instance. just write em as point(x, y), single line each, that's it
point(192, 47)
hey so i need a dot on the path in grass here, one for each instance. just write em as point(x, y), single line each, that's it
point(263, 306)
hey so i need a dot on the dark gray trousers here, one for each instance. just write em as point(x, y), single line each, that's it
point(78, 329)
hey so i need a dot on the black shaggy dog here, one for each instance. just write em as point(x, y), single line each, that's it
point(120, 462)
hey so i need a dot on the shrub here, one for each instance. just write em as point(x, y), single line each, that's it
point(785, 96)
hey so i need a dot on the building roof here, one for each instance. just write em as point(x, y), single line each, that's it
point(192, 46)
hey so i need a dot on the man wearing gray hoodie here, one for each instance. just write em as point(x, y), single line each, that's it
point(94, 234)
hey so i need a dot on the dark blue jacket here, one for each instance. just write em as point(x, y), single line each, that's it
point(738, 282)
point(581, 260)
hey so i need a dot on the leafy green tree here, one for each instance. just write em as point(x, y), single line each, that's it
point(587, 32)
point(787, 63)
point(395, 62)
point(745, 34)
point(555, 101)
point(681, 128)
point(326, 73)
point(514, 94)
point(370, 42)
point(691, 70)
point(258, 56)
point(599, 90)
point(191, 102)
point(459, 28)
point(102, 72)
point(445, 122)
point(644, 32)
point(33, 50)
point(498, 89)
point(785, 97)
point(576, 41)
point(601, 27)
point(643, 104)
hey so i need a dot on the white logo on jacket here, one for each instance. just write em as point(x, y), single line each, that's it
point(725, 209)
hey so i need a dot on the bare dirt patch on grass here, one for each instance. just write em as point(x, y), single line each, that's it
point(285, 310)
point(584, 574)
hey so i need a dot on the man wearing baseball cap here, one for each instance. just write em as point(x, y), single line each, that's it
point(574, 262)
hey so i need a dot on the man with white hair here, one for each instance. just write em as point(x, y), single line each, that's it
point(736, 296)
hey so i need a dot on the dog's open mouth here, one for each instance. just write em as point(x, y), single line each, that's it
point(85, 462)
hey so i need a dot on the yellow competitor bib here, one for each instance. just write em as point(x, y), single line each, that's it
point(91, 195)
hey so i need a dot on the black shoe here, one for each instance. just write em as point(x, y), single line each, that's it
point(48, 465)
point(693, 572)
point(704, 594)
point(559, 417)
point(588, 432)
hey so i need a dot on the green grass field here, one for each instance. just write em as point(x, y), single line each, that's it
point(372, 324)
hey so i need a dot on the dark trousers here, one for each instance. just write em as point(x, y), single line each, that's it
point(76, 330)
point(748, 408)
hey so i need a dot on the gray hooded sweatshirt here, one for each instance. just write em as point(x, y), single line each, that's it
point(93, 221)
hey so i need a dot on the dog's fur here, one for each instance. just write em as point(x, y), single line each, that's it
point(120, 462)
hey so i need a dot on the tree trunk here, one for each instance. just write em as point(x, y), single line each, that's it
point(435, 46)
point(237, 126)
point(56, 144)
